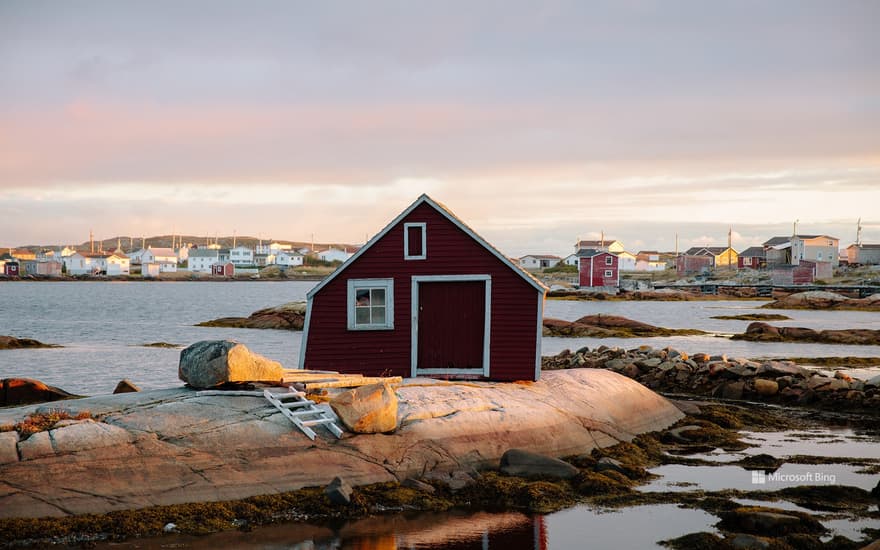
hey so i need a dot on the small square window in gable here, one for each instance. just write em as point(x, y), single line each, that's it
point(415, 241)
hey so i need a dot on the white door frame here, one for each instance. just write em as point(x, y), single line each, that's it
point(414, 354)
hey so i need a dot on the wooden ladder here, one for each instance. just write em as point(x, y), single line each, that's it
point(302, 412)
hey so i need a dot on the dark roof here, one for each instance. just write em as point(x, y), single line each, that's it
point(590, 252)
point(602, 242)
point(777, 240)
point(542, 256)
point(865, 246)
point(753, 251)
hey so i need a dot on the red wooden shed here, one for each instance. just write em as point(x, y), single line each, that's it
point(426, 296)
point(597, 268)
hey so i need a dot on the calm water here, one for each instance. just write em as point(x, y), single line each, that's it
point(103, 326)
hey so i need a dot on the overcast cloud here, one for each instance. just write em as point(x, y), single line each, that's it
point(536, 122)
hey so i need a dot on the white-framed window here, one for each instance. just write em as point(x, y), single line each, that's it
point(609, 260)
point(370, 304)
point(609, 273)
point(415, 241)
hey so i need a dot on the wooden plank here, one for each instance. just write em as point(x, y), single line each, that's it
point(363, 381)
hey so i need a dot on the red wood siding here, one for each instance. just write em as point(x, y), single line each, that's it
point(450, 251)
point(592, 271)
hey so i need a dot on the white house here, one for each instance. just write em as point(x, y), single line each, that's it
point(626, 261)
point(538, 261)
point(241, 255)
point(272, 248)
point(288, 259)
point(77, 264)
point(137, 257)
point(334, 255)
point(201, 260)
point(117, 264)
point(571, 259)
point(649, 260)
point(816, 248)
point(166, 258)
point(151, 269)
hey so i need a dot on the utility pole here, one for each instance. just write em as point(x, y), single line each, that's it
point(729, 245)
point(91, 242)
point(859, 233)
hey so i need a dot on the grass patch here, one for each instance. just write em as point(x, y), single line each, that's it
point(41, 422)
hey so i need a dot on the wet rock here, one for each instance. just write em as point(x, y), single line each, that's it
point(768, 521)
point(607, 463)
point(338, 491)
point(367, 409)
point(680, 434)
point(412, 483)
point(743, 541)
point(8, 447)
point(126, 386)
point(212, 363)
point(289, 316)
point(455, 480)
point(11, 342)
point(765, 462)
point(732, 390)
point(521, 463)
point(24, 391)
point(766, 387)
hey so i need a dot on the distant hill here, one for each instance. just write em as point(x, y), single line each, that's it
point(164, 241)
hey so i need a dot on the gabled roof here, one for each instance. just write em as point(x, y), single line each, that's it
point(542, 256)
point(777, 241)
point(753, 251)
point(808, 237)
point(865, 246)
point(445, 212)
point(163, 252)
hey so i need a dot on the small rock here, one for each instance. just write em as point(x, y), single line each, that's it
point(412, 483)
point(607, 463)
point(743, 541)
point(617, 364)
point(170, 527)
point(126, 386)
point(367, 409)
point(649, 363)
point(680, 434)
point(701, 357)
point(338, 491)
point(840, 375)
point(732, 390)
point(8, 447)
point(765, 387)
point(875, 381)
point(522, 463)
point(37, 445)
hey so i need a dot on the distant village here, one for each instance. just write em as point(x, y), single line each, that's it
point(795, 259)
point(148, 261)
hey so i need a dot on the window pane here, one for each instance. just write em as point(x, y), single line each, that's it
point(362, 315)
point(378, 315)
point(362, 297)
point(378, 297)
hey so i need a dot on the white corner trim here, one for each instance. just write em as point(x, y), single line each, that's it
point(305, 335)
point(414, 315)
point(424, 254)
point(540, 336)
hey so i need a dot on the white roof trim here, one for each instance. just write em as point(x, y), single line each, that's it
point(426, 199)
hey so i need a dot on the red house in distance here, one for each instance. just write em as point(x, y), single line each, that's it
point(597, 268)
point(426, 296)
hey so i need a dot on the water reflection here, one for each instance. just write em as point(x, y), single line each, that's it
point(451, 530)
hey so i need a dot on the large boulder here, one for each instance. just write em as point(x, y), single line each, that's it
point(367, 409)
point(211, 363)
point(522, 463)
point(24, 391)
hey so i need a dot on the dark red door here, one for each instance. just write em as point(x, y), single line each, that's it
point(452, 317)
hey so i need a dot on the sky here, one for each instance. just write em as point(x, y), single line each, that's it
point(538, 123)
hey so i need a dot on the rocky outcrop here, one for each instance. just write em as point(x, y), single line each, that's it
point(11, 342)
point(763, 332)
point(771, 381)
point(125, 386)
point(518, 462)
point(23, 391)
point(819, 299)
point(368, 409)
point(290, 316)
point(609, 326)
point(192, 446)
point(212, 363)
